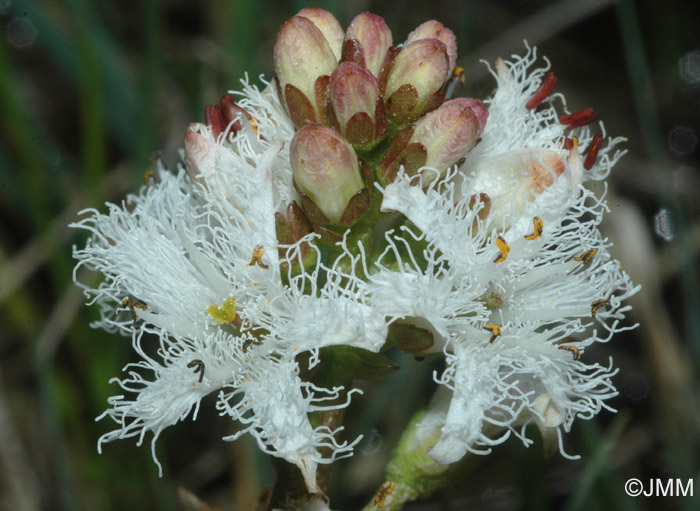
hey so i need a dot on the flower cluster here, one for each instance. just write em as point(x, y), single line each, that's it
point(350, 203)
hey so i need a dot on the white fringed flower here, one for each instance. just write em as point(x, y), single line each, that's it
point(198, 267)
point(517, 280)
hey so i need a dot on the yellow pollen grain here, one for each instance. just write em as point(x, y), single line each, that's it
point(537, 223)
point(504, 248)
point(256, 258)
point(224, 313)
point(268, 302)
point(254, 123)
point(459, 72)
point(244, 380)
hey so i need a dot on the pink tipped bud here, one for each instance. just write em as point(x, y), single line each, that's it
point(435, 30)
point(303, 62)
point(203, 155)
point(448, 133)
point(326, 173)
point(355, 100)
point(328, 25)
point(418, 73)
point(373, 37)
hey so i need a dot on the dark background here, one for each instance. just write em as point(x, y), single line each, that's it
point(90, 90)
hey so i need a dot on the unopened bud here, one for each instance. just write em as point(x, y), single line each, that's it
point(303, 63)
point(203, 154)
point(357, 106)
point(328, 25)
point(448, 133)
point(413, 85)
point(435, 30)
point(372, 39)
point(327, 175)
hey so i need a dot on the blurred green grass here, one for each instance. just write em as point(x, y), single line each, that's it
point(100, 86)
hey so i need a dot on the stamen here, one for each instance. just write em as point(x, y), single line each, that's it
point(598, 304)
point(459, 73)
point(214, 118)
point(258, 252)
point(537, 221)
point(248, 343)
point(384, 490)
point(133, 305)
point(592, 151)
point(573, 349)
point(199, 368)
point(151, 177)
point(458, 76)
point(224, 313)
point(544, 90)
point(495, 331)
point(504, 248)
point(578, 119)
point(587, 256)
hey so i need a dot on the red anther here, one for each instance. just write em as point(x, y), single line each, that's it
point(592, 151)
point(568, 144)
point(544, 90)
point(220, 116)
point(214, 118)
point(578, 119)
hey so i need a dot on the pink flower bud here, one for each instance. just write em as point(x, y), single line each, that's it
point(373, 40)
point(203, 154)
point(419, 71)
point(356, 105)
point(326, 173)
point(448, 133)
point(328, 25)
point(303, 62)
point(435, 30)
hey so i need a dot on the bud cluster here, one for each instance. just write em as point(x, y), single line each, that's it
point(364, 108)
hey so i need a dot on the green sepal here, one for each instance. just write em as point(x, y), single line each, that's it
point(340, 365)
point(301, 111)
point(410, 338)
point(400, 106)
point(356, 208)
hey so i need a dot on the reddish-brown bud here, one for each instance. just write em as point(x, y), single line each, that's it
point(355, 99)
point(327, 175)
point(303, 62)
point(328, 25)
point(435, 30)
point(374, 38)
point(419, 71)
